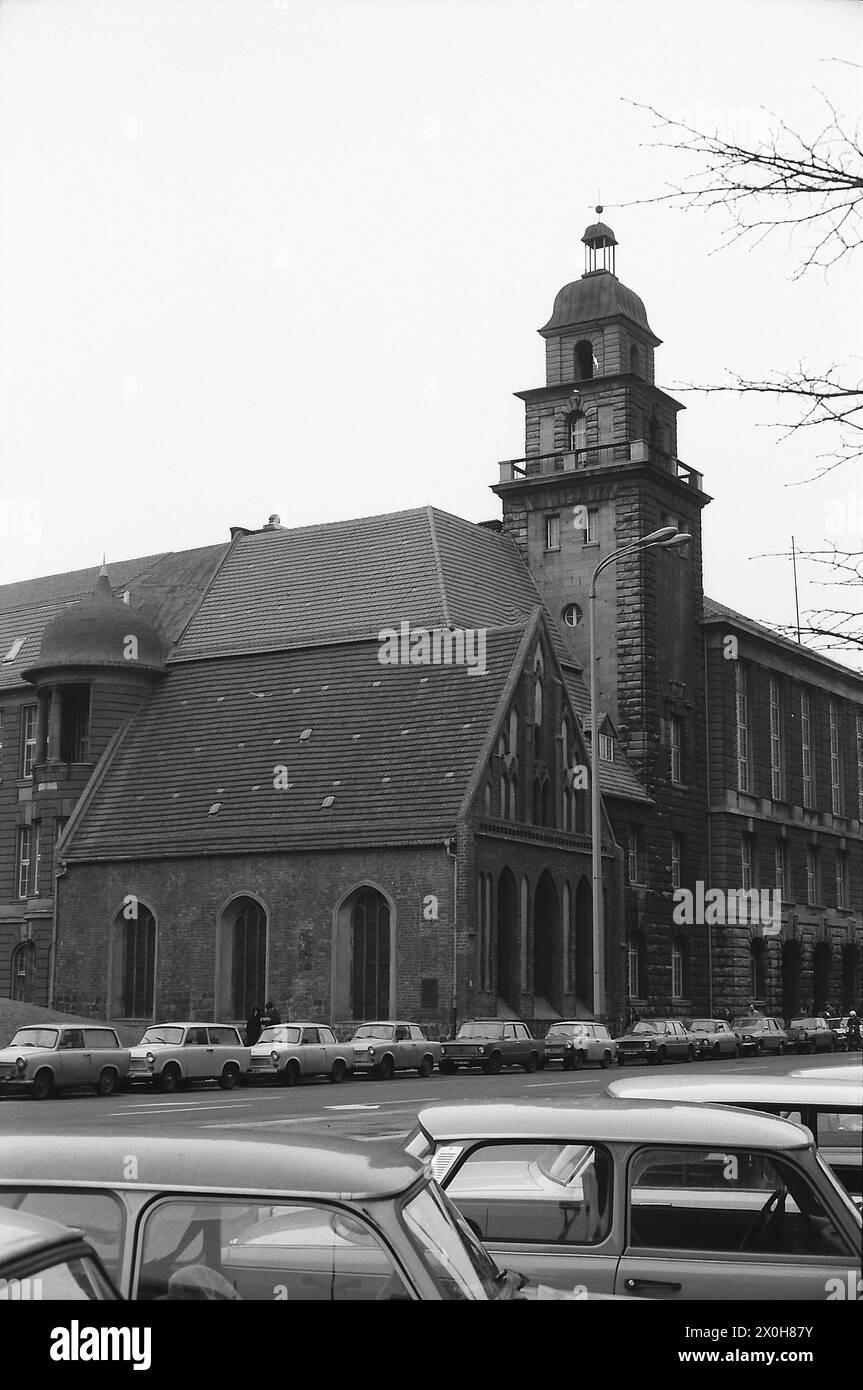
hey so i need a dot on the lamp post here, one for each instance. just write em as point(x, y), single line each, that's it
point(666, 537)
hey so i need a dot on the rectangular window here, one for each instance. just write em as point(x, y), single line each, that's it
point(741, 695)
point(636, 854)
point(747, 861)
point(605, 422)
point(806, 746)
point(606, 748)
point(675, 739)
point(591, 530)
point(813, 894)
point(37, 854)
point(776, 777)
point(780, 879)
point(841, 879)
point(676, 859)
point(835, 761)
point(552, 532)
point(24, 842)
point(676, 974)
point(632, 960)
point(528, 1193)
point(28, 739)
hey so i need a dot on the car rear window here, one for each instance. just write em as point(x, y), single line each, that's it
point(551, 1193)
point(100, 1037)
point(223, 1037)
point(99, 1216)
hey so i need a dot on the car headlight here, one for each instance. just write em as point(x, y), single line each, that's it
point(443, 1052)
point(648, 1044)
point(569, 1047)
point(274, 1057)
point(21, 1064)
point(150, 1059)
point(483, 1049)
point(370, 1050)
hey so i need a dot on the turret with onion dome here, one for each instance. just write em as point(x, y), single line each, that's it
point(97, 661)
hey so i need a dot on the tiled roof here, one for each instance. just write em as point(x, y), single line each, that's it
point(347, 580)
point(394, 746)
point(616, 779)
point(166, 586)
point(717, 613)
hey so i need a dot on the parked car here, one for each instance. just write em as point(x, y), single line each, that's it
point(713, 1038)
point(386, 1047)
point(830, 1106)
point(170, 1055)
point(219, 1216)
point(811, 1035)
point(655, 1199)
point(840, 1030)
point(41, 1261)
point(656, 1040)
point(757, 1034)
point(288, 1051)
point(573, 1042)
point(46, 1058)
point(490, 1044)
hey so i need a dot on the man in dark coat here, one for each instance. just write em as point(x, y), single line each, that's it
point(253, 1026)
point(271, 1015)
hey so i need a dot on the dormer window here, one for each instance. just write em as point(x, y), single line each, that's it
point(15, 648)
point(606, 748)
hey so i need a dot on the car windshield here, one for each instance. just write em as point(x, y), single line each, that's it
point(279, 1035)
point(565, 1030)
point(375, 1030)
point(801, 1022)
point(171, 1036)
point(702, 1025)
point(460, 1266)
point(35, 1037)
point(481, 1030)
point(649, 1028)
point(748, 1025)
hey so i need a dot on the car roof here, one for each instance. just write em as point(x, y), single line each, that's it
point(299, 1023)
point(189, 1023)
point(839, 1071)
point(771, 1090)
point(21, 1231)
point(298, 1164)
point(375, 1022)
point(605, 1119)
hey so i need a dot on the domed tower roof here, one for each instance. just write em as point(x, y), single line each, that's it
point(96, 632)
point(598, 294)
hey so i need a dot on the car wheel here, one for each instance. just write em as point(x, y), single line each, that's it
point(620, 1059)
point(291, 1072)
point(230, 1076)
point(567, 1063)
point(338, 1071)
point(810, 1047)
point(169, 1078)
point(605, 1060)
point(108, 1083)
point(738, 1050)
point(493, 1065)
point(43, 1085)
point(660, 1055)
point(448, 1068)
point(759, 1049)
point(717, 1050)
point(530, 1064)
point(832, 1044)
point(425, 1068)
point(385, 1068)
point(690, 1055)
point(780, 1051)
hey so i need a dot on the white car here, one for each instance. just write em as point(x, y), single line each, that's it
point(47, 1058)
point(288, 1051)
point(389, 1046)
point(573, 1042)
point(171, 1055)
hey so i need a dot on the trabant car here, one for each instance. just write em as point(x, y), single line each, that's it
point(170, 1055)
point(43, 1261)
point(222, 1216)
point(492, 1043)
point(386, 1047)
point(656, 1199)
point(839, 1026)
point(656, 1040)
point(46, 1058)
point(713, 1038)
point(573, 1042)
point(830, 1107)
point(811, 1035)
point(288, 1051)
point(757, 1034)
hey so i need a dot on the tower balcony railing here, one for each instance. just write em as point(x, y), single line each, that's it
point(597, 456)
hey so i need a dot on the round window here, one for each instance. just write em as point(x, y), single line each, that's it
point(572, 615)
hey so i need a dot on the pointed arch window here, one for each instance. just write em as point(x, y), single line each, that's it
point(134, 970)
point(538, 672)
point(507, 752)
point(567, 790)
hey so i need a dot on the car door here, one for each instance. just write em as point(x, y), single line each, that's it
point(714, 1225)
point(197, 1059)
point(311, 1052)
point(509, 1045)
point(404, 1048)
point(73, 1066)
point(331, 1048)
point(223, 1047)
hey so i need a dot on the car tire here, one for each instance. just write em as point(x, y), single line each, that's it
point(759, 1049)
point(832, 1044)
point(230, 1076)
point(660, 1055)
point(567, 1064)
point(578, 1060)
point(738, 1051)
point(425, 1068)
point(620, 1059)
point(531, 1063)
point(108, 1083)
point(170, 1078)
point(493, 1065)
point(385, 1069)
point(690, 1055)
point(605, 1060)
point(291, 1072)
point(448, 1068)
point(43, 1085)
point(338, 1071)
point(717, 1051)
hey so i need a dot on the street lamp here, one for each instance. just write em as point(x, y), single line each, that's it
point(667, 537)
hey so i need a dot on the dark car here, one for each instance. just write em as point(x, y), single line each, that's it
point(656, 1040)
point(811, 1035)
point(492, 1043)
point(758, 1034)
point(714, 1038)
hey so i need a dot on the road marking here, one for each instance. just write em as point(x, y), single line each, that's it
point(540, 1084)
point(352, 1107)
point(172, 1109)
point(262, 1124)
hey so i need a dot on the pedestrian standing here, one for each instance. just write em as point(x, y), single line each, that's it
point(253, 1025)
point(271, 1015)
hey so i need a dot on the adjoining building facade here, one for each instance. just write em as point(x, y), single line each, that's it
point(347, 766)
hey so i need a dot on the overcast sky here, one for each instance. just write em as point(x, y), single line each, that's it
point(265, 255)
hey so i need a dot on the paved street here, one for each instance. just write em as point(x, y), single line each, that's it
point(362, 1108)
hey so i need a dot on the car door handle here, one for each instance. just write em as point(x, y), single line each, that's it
point(650, 1284)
